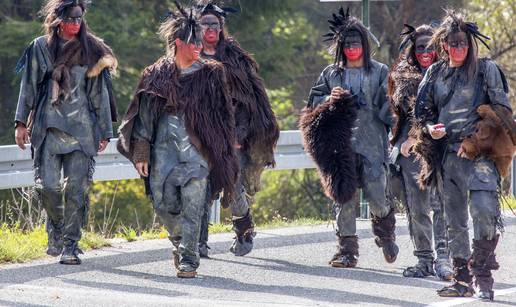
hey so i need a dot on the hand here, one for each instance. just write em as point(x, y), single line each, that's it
point(407, 146)
point(337, 93)
point(437, 132)
point(102, 145)
point(237, 146)
point(21, 135)
point(142, 168)
point(461, 153)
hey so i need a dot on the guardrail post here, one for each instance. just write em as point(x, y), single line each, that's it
point(364, 206)
point(215, 212)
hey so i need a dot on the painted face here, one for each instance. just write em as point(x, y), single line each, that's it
point(425, 56)
point(211, 29)
point(190, 50)
point(71, 24)
point(353, 49)
point(457, 47)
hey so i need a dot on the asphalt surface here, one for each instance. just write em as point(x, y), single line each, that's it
point(288, 267)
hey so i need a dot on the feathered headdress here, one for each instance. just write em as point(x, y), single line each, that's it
point(214, 7)
point(342, 23)
point(180, 24)
point(407, 36)
point(454, 22)
point(65, 4)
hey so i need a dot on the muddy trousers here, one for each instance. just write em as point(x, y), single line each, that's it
point(474, 183)
point(66, 204)
point(373, 182)
point(181, 212)
point(419, 204)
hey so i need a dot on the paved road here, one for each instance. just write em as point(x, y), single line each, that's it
point(287, 267)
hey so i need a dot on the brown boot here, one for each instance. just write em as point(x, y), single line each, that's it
point(462, 281)
point(383, 229)
point(482, 261)
point(347, 252)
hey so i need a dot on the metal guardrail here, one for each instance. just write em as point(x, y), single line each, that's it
point(16, 164)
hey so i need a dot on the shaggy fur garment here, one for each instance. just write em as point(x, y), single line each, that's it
point(494, 137)
point(209, 115)
point(327, 132)
point(247, 90)
point(403, 83)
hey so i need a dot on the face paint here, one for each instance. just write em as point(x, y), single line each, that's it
point(71, 24)
point(458, 47)
point(211, 29)
point(353, 49)
point(190, 50)
point(425, 55)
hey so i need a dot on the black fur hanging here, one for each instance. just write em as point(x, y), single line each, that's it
point(327, 132)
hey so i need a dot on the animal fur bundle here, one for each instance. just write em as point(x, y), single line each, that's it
point(494, 137)
point(327, 132)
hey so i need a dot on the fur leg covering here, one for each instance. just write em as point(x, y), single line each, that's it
point(383, 229)
point(347, 252)
point(327, 132)
point(482, 261)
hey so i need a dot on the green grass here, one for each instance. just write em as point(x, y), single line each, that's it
point(17, 246)
point(508, 203)
point(304, 221)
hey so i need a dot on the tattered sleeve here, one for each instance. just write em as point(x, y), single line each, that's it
point(320, 92)
point(496, 85)
point(100, 100)
point(384, 106)
point(144, 125)
point(32, 64)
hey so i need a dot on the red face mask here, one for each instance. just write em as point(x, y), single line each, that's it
point(353, 54)
point(458, 55)
point(426, 59)
point(70, 29)
point(211, 36)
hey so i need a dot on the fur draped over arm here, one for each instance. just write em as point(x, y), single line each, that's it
point(327, 132)
point(248, 91)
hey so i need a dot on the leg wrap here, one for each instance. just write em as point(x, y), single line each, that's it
point(383, 227)
point(482, 261)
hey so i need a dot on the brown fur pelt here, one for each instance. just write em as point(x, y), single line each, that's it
point(209, 115)
point(100, 57)
point(403, 83)
point(248, 93)
point(493, 138)
point(327, 132)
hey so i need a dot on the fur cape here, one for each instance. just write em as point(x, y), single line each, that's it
point(494, 137)
point(100, 57)
point(248, 93)
point(209, 115)
point(403, 83)
point(327, 132)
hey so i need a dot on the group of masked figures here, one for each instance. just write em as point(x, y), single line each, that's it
point(200, 128)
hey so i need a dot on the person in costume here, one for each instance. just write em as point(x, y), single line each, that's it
point(256, 127)
point(345, 126)
point(66, 108)
point(404, 78)
point(467, 136)
point(179, 131)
